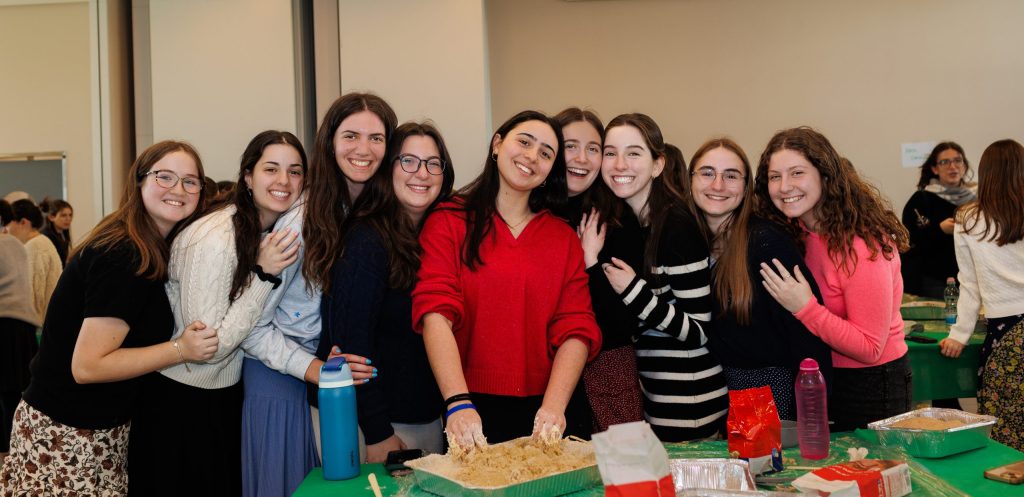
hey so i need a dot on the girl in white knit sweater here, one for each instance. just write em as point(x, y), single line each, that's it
point(990, 254)
point(220, 273)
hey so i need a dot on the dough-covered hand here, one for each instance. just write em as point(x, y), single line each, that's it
point(465, 432)
point(791, 291)
point(548, 426)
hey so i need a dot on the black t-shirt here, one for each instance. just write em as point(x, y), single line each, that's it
point(96, 283)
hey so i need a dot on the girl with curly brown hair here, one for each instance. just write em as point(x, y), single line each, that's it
point(852, 241)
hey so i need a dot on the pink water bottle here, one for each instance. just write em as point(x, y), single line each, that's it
point(811, 411)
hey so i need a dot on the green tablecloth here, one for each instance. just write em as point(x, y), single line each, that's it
point(956, 475)
point(937, 376)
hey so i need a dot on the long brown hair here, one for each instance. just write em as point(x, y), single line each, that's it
point(732, 287)
point(246, 219)
point(1000, 195)
point(378, 206)
point(668, 191)
point(131, 221)
point(327, 198)
point(849, 206)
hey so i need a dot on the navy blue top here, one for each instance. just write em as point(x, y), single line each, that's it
point(363, 315)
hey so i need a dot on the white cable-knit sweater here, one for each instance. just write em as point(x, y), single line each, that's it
point(203, 262)
point(989, 274)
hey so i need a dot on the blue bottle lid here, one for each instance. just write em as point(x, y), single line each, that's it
point(335, 373)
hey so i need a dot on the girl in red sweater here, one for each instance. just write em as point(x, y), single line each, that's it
point(502, 297)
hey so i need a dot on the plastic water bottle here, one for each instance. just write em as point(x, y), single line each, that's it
point(811, 411)
point(339, 429)
point(950, 295)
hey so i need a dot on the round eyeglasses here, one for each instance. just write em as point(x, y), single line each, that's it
point(168, 179)
point(411, 164)
point(706, 175)
point(956, 161)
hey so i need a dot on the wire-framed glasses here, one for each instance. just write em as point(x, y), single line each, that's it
point(168, 179)
point(707, 175)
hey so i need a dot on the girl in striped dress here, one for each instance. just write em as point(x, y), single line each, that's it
point(685, 394)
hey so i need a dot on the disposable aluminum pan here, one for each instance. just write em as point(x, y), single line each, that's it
point(711, 475)
point(705, 492)
point(551, 485)
point(936, 443)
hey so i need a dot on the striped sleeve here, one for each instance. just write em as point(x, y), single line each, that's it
point(679, 305)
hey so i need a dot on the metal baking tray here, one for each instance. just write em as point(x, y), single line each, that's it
point(553, 485)
point(705, 492)
point(711, 474)
point(936, 443)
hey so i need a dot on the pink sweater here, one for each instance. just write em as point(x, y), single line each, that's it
point(860, 319)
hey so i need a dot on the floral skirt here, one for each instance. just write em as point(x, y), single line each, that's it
point(49, 458)
point(1001, 390)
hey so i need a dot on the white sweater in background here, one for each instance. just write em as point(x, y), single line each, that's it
point(990, 275)
point(203, 261)
point(45, 266)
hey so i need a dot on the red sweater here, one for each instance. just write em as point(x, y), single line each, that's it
point(511, 313)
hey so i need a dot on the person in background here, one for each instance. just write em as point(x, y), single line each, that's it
point(928, 216)
point(222, 269)
point(501, 297)
point(990, 255)
point(58, 226)
point(18, 323)
point(852, 241)
point(758, 342)
point(43, 261)
point(114, 326)
point(610, 381)
point(369, 309)
point(685, 394)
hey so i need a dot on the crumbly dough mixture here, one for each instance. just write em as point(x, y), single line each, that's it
point(926, 423)
point(516, 461)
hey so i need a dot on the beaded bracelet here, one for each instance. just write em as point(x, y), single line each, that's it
point(458, 408)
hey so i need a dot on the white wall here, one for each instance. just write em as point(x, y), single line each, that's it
point(428, 60)
point(222, 71)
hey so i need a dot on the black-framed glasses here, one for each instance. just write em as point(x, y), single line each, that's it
point(958, 161)
point(168, 179)
point(411, 164)
point(707, 175)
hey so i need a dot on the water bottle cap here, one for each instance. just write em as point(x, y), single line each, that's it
point(950, 280)
point(808, 365)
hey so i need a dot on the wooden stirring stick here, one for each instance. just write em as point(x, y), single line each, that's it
point(374, 485)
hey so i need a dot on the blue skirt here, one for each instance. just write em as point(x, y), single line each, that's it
point(278, 448)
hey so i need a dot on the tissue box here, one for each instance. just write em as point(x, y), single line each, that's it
point(864, 478)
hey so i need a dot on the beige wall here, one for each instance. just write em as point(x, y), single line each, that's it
point(428, 60)
point(870, 74)
point(221, 72)
point(45, 94)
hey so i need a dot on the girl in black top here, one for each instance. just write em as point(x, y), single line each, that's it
point(71, 430)
point(58, 226)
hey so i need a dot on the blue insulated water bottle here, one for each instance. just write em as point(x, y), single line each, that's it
point(339, 429)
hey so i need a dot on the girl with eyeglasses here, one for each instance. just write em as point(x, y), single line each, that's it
point(115, 325)
point(928, 216)
point(685, 397)
point(989, 248)
point(610, 381)
point(852, 241)
point(501, 297)
point(369, 309)
point(758, 342)
point(222, 269)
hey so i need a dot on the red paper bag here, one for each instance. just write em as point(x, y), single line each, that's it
point(633, 462)
point(755, 432)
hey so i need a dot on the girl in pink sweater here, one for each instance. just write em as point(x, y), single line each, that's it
point(852, 239)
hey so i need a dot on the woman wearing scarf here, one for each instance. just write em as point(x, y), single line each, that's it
point(928, 217)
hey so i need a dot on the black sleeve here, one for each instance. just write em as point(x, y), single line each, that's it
point(922, 221)
point(350, 313)
point(111, 287)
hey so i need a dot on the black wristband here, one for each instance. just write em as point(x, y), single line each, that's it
point(456, 398)
point(262, 275)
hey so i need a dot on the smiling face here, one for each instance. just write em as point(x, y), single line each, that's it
point(62, 219)
point(525, 155)
point(628, 166)
point(275, 181)
point(359, 147)
point(582, 155)
point(718, 184)
point(950, 168)
point(167, 206)
point(794, 186)
point(416, 191)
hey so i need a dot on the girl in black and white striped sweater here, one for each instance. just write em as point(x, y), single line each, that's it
point(685, 395)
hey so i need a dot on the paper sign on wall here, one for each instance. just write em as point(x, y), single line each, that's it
point(914, 154)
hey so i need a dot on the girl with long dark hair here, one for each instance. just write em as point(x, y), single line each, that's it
point(502, 299)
